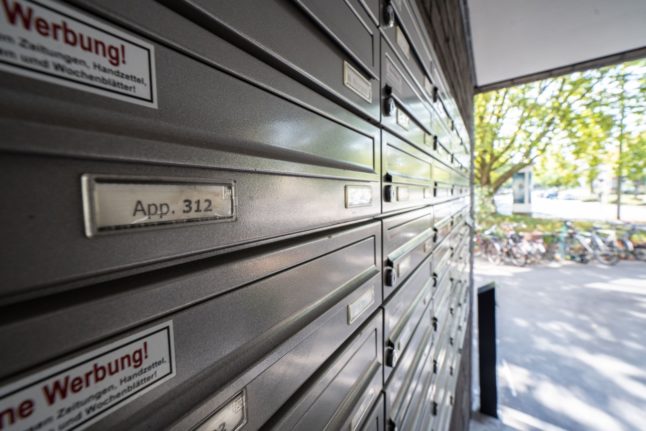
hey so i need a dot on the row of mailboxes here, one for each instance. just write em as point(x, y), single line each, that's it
point(264, 171)
point(422, 351)
point(269, 232)
point(258, 207)
point(273, 329)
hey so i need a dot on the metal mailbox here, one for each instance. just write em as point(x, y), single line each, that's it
point(442, 317)
point(337, 49)
point(341, 395)
point(435, 401)
point(215, 227)
point(461, 183)
point(397, 38)
point(400, 386)
point(427, 410)
point(407, 239)
point(442, 226)
point(441, 145)
point(259, 215)
point(231, 333)
point(441, 264)
point(375, 420)
point(75, 140)
point(417, 391)
point(403, 312)
point(441, 421)
point(406, 111)
point(420, 411)
point(407, 175)
point(442, 181)
point(402, 27)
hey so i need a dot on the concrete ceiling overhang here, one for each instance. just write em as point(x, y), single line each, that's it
point(516, 41)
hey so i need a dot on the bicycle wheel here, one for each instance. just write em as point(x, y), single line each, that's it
point(493, 254)
point(517, 256)
point(607, 257)
point(622, 249)
point(640, 253)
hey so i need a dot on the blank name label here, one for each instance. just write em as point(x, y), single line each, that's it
point(112, 205)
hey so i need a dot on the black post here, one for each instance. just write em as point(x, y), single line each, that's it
point(487, 343)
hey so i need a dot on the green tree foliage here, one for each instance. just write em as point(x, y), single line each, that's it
point(567, 127)
point(628, 105)
point(634, 159)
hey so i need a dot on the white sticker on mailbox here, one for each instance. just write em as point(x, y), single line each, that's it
point(361, 304)
point(358, 196)
point(402, 42)
point(402, 119)
point(356, 82)
point(77, 393)
point(44, 40)
point(114, 203)
point(230, 417)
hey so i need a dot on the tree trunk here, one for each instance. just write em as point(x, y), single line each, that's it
point(486, 202)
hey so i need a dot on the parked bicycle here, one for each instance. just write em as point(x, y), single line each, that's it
point(498, 249)
point(585, 246)
point(551, 242)
point(627, 248)
point(531, 243)
point(506, 244)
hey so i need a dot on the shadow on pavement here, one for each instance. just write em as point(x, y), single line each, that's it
point(571, 345)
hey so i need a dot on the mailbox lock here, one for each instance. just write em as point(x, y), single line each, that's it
point(435, 323)
point(392, 354)
point(389, 106)
point(435, 94)
point(389, 16)
point(391, 277)
point(434, 408)
point(392, 426)
point(389, 193)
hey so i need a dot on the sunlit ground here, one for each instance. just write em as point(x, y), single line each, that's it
point(571, 345)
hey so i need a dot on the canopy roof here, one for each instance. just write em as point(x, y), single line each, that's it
point(515, 41)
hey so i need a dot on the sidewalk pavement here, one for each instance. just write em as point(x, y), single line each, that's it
point(571, 346)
